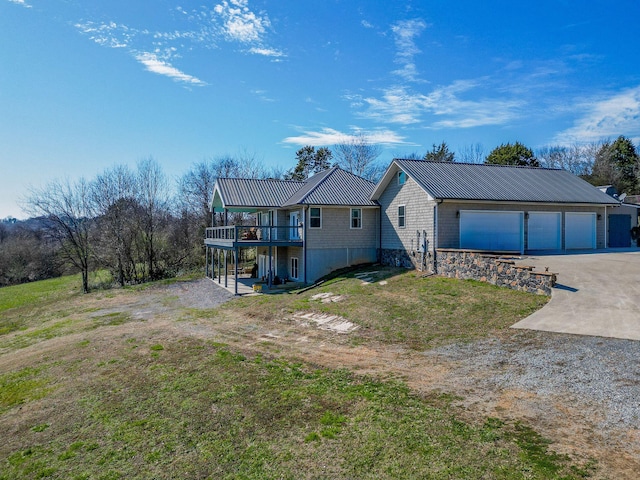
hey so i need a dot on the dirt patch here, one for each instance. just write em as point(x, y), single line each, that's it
point(580, 392)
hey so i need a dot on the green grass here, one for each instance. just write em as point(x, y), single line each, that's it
point(38, 293)
point(202, 410)
point(22, 386)
point(418, 312)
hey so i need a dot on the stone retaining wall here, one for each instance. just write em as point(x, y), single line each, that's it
point(494, 269)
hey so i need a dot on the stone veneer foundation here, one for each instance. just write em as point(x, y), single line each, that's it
point(482, 266)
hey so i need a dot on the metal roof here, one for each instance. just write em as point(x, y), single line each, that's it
point(485, 182)
point(250, 192)
point(330, 187)
point(334, 187)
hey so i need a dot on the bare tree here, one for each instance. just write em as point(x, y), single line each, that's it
point(113, 193)
point(355, 154)
point(577, 159)
point(153, 199)
point(68, 209)
point(473, 153)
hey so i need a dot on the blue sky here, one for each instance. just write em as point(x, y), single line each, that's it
point(86, 84)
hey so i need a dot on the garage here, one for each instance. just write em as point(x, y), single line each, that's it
point(492, 230)
point(544, 231)
point(580, 230)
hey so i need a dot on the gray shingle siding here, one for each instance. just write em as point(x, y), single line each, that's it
point(336, 231)
point(418, 216)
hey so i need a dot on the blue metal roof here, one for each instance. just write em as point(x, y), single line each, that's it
point(334, 187)
point(330, 187)
point(254, 193)
point(484, 182)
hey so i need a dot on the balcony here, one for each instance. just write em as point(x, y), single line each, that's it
point(244, 236)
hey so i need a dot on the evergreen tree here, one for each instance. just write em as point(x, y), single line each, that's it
point(516, 154)
point(440, 153)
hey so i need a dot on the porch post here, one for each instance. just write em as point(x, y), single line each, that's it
point(236, 269)
point(269, 274)
point(213, 264)
point(226, 269)
point(206, 262)
point(304, 242)
point(219, 268)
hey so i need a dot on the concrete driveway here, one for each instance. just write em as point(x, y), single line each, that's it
point(597, 294)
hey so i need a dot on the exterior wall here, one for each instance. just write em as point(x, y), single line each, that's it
point(492, 269)
point(449, 223)
point(322, 261)
point(400, 246)
point(336, 245)
point(626, 210)
point(299, 254)
point(336, 231)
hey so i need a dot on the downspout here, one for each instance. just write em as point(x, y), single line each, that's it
point(435, 236)
point(380, 233)
point(606, 230)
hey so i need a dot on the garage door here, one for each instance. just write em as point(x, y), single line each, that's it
point(495, 231)
point(544, 231)
point(580, 230)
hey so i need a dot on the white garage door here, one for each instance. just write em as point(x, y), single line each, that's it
point(580, 230)
point(495, 231)
point(544, 231)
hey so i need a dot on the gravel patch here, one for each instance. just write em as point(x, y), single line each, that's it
point(200, 294)
point(601, 374)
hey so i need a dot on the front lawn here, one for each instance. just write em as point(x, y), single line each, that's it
point(399, 306)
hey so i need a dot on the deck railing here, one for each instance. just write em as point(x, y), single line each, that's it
point(246, 233)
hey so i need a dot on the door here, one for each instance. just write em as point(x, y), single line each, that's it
point(580, 230)
point(294, 222)
point(544, 231)
point(493, 231)
point(619, 231)
point(294, 268)
point(263, 266)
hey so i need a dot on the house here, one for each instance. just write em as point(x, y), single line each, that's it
point(419, 214)
point(427, 206)
point(303, 230)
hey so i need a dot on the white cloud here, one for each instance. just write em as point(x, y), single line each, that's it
point(108, 34)
point(329, 136)
point(405, 33)
point(267, 52)
point(21, 2)
point(155, 65)
point(400, 105)
point(240, 23)
point(231, 20)
point(615, 115)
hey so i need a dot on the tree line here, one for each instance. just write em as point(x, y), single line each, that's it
point(610, 162)
point(130, 223)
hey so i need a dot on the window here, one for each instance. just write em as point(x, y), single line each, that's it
point(315, 217)
point(294, 268)
point(356, 218)
point(402, 178)
point(401, 216)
